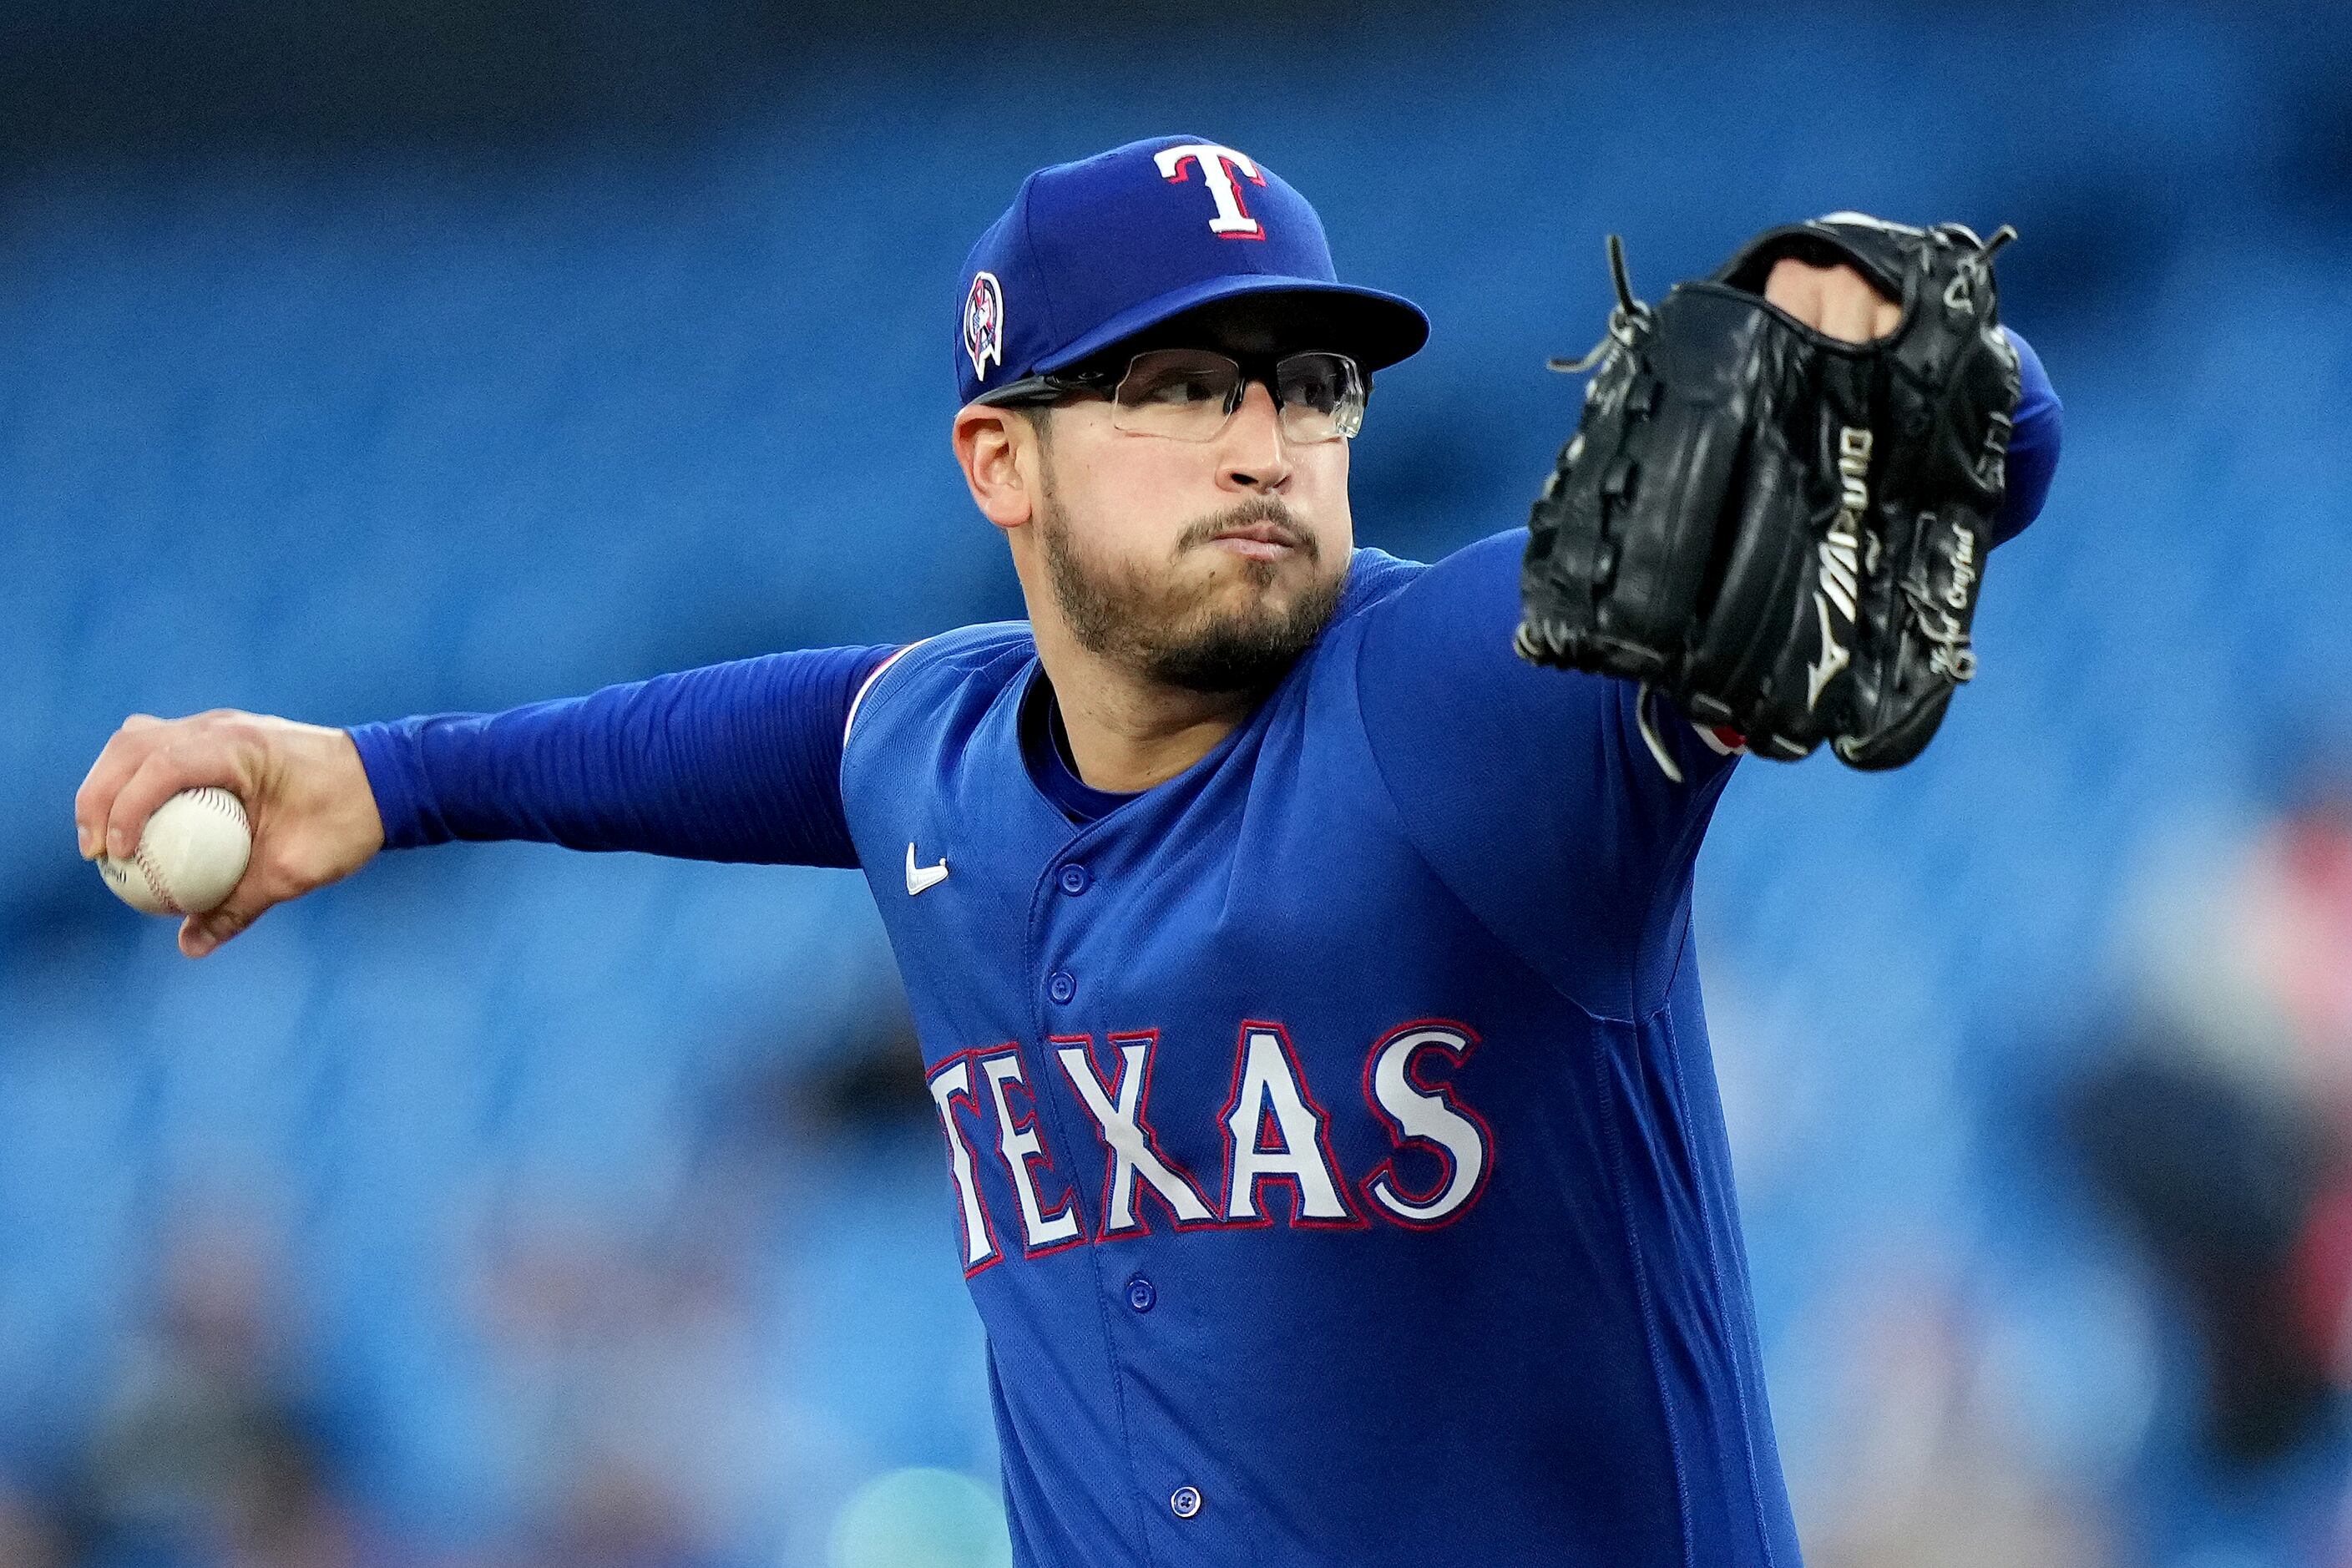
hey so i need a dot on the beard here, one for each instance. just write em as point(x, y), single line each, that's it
point(1199, 637)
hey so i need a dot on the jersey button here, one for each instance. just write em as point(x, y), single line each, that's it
point(1060, 986)
point(1143, 1294)
point(1074, 880)
point(1184, 1501)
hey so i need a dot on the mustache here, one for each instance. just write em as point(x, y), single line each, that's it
point(1270, 511)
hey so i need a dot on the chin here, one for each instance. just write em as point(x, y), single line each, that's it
point(1232, 621)
point(1244, 638)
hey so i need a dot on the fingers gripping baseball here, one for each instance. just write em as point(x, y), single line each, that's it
point(313, 814)
point(157, 760)
point(94, 802)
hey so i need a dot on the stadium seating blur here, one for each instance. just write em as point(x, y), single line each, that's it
point(552, 1167)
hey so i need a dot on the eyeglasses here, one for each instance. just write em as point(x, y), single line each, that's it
point(1192, 395)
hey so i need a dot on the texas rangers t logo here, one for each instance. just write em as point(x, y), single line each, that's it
point(1217, 165)
point(984, 323)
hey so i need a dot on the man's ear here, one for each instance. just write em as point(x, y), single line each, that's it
point(997, 449)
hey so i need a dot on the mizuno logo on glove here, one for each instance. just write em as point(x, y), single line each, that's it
point(1841, 562)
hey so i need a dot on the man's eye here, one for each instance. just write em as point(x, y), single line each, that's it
point(1178, 390)
point(1320, 395)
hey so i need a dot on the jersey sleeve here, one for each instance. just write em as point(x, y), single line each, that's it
point(1533, 792)
point(733, 762)
point(1530, 791)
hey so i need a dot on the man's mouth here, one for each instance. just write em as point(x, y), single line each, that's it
point(1258, 541)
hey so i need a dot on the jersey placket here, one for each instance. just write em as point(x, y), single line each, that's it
point(1157, 1342)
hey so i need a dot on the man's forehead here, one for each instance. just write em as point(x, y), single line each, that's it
point(1248, 324)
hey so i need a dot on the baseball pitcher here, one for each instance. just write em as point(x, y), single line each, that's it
point(1299, 937)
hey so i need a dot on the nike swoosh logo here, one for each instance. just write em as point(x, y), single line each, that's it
point(921, 877)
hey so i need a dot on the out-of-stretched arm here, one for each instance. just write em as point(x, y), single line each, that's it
point(733, 762)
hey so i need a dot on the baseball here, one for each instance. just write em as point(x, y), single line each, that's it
point(192, 853)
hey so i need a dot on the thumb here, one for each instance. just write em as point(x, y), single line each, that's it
point(199, 934)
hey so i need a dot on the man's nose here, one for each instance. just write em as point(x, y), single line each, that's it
point(1254, 455)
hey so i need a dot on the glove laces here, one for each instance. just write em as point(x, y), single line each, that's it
point(1627, 320)
point(1974, 269)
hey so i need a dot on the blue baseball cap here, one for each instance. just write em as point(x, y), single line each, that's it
point(1093, 252)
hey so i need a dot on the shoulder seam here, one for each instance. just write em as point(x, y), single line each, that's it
point(867, 685)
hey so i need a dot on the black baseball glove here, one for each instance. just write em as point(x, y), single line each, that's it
point(1781, 532)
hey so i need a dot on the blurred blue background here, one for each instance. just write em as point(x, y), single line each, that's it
point(509, 1206)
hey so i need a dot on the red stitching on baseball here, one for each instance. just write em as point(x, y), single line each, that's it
point(216, 799)
point(228, 804)
point(155, 885)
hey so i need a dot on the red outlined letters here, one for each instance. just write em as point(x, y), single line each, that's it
point(1421, 1113)
point(1120, 1114)
point(1275, 1133)
point(1017, 1144)
point(951, 1081)
point(1268, 1085)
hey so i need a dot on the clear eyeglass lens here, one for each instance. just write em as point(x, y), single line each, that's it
point(1179, 393)
point(1190, 395)
point(1322, 397)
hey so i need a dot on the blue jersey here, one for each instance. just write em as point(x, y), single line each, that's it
point(1330, 1130)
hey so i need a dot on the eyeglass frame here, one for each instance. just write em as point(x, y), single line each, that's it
point(1047, 388)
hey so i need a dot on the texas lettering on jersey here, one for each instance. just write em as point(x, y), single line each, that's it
point(1275, 1129)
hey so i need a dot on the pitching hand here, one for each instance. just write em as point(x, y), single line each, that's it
point(314, 817)
point(1836, 301)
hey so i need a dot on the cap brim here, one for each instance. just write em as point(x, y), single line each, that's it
point(1373, 327)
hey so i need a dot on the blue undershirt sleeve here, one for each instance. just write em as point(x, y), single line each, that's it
point(733, 762)
point(2040, 429)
